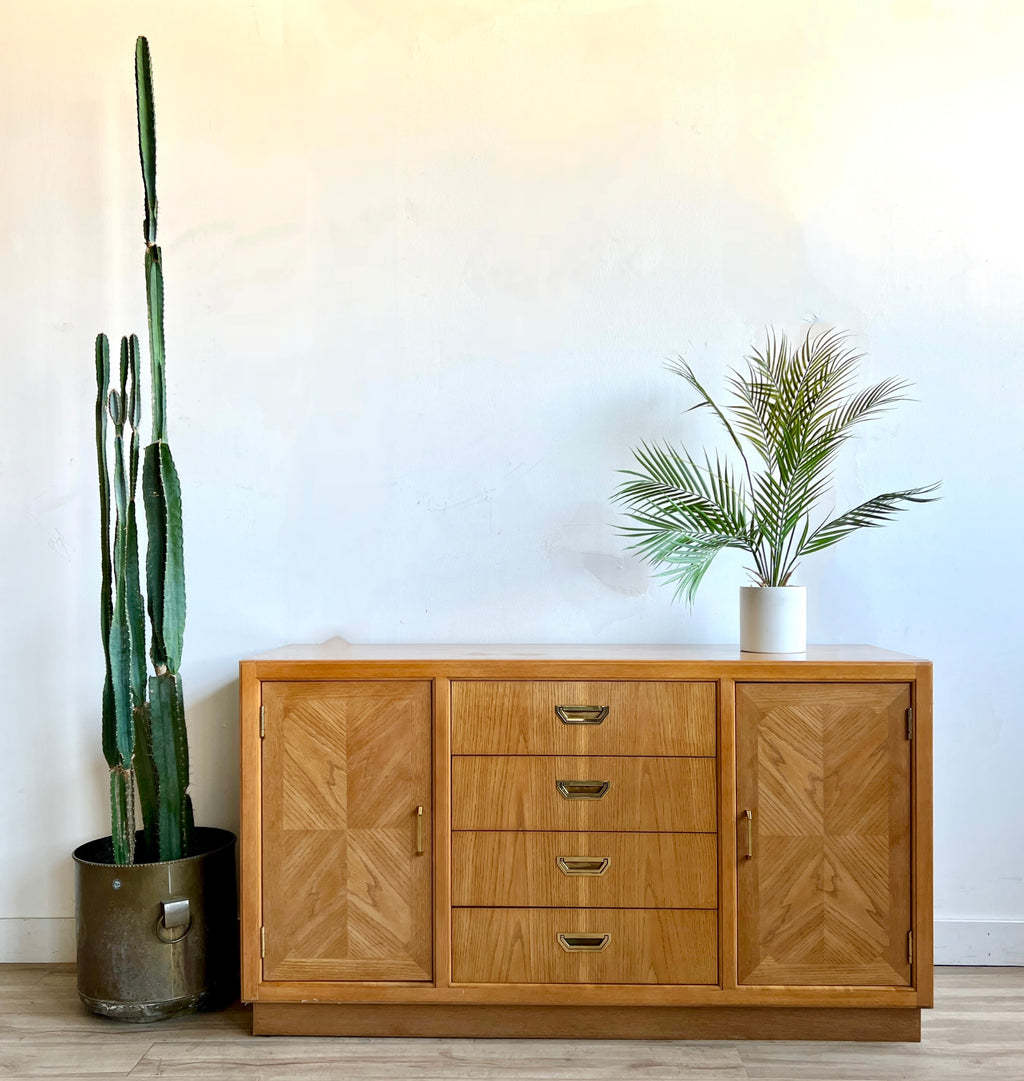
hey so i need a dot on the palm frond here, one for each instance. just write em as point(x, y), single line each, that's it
point(684, 512)
point(872, 513)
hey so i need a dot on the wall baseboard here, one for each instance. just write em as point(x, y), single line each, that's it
point(979, 942)
point(957, 942)
point(37, 941)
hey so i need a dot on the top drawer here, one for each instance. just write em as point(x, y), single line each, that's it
point(615, 718)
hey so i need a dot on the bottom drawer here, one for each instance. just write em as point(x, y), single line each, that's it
point(584, 945)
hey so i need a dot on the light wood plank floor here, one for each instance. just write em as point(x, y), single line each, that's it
point(976, 1031)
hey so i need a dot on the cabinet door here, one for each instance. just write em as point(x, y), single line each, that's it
point(825, 891)
point(346, 856)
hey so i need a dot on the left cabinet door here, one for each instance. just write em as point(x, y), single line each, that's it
point(346, 791)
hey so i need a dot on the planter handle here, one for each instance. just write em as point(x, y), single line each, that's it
point(175, 913)
point(175, 920)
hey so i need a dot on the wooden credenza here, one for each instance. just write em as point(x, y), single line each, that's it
point(606, 841)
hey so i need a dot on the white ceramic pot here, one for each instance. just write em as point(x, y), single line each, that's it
point(773, 619)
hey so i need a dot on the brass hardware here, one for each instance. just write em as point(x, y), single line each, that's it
point(910, 723)
point(583, 943)
point(582, 789)
point(263, 942)
point(419, 831)
point(583, 865)
point(263, 722)
point(749, 816)
point(910, 947)
point(581, 714)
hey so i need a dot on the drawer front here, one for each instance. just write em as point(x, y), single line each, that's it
point(570, 945)
point(520, 792)
point(585, 870)
point(546, 717)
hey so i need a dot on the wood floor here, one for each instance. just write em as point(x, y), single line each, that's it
point(975, 1031)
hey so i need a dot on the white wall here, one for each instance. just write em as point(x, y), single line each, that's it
point(424, 262)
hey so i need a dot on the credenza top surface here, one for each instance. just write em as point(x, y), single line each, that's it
point(338, 650)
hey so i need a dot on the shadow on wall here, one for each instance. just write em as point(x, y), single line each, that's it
point(213, 766)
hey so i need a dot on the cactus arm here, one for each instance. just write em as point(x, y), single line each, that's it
point(170, 758)
point(147, 133)
point(165, 574)
point(155, 317)
point(122, 815)
point(134, 606)
point(156, 556)
point(135, 614)
point(134, 408)
point(154, 268)
point(107, 586)
point(116, 734)
point(145, 774)
point(174, 581)
point(120, 631)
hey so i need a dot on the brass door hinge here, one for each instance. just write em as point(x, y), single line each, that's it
point(263, 721)
point(910, 723)
point(910, 947)
point(263, 942)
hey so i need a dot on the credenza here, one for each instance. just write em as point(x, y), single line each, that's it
point(603, 841)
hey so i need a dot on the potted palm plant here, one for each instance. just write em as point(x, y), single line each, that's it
point(789, 414)
point(156, 907)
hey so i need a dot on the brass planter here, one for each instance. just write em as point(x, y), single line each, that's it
point(157, 939)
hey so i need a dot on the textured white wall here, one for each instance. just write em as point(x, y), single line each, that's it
point(424, 261)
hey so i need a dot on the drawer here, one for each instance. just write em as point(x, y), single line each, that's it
point(545, 717)
point(520, 792)
point(585, 870)
point(571, 945)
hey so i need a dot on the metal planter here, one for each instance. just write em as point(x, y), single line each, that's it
point(157, 939)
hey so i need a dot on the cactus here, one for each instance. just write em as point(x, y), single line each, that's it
point(144, 736)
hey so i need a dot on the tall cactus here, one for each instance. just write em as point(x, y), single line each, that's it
point(144, 736)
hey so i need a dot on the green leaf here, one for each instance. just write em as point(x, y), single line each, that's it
point(870, 514)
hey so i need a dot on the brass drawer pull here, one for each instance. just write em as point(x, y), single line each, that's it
point(583, 943)
point(748, 816)
point(582, 789)
point(583, 865)
point(581, 714)
point(419, 831)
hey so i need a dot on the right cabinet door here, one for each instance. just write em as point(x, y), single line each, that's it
point(823, 841)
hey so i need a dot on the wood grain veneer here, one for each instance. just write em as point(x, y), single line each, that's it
point(601, 1023)
point(644, 718)
point(825, 769)
point(520, 945)
point(518, 792)
point(346, 894)
point(645, 870)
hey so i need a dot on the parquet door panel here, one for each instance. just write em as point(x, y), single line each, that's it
point(346, 881)
point(824, 888)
